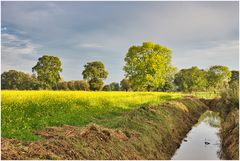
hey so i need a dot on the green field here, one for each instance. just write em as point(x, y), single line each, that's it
point(26, 111)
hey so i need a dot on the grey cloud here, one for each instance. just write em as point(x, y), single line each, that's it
point(17, 52)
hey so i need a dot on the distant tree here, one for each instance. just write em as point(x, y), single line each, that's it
point(17, 80)
point(190, 80)
point(107, 88)
point(62, 85)
point(95, 73)
point(147, 66)
point(169, 81)
point(114, 86)
point(111, 87)
point(125, 84)
point(34, 83)
point(96, 84)
point(218, 77)
point(71, 85)
point(48, 70)
point(167, 87)
point(81, 85)
point(231, 94)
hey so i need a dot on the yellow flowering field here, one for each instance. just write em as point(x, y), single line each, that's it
point(26, 111)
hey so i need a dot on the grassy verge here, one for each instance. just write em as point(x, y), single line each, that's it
point(230, 135)
point(204, 95)
point(148, 132)
point(26, 111)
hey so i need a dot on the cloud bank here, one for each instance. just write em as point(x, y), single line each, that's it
point(199, 33)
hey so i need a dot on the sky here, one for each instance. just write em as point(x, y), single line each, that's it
point(199, 33)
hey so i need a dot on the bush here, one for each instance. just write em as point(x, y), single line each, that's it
point(81, 85)
point(73, 85)
point(62, 85)
point(107, 88)
point(231, 94)
point(17, 80)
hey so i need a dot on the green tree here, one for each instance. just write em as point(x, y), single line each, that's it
point(190, 80)
point(169, 83)
point(167, 87)
point(125, 84)
point(81, 85)
point(96, 84)
point(107, 88)
point(218, 77)
point(114, 86)
point(48, 70)
point(71, 85)
point(95, 73)
point(147, 66)
point(17, 80)
point(63, 85)
point(231, 94)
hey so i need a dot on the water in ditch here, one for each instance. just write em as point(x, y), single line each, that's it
point(202, 142)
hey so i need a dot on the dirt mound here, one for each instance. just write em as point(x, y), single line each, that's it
point(60, 143)
point(68, 131)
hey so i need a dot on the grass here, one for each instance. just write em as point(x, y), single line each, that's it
point(26, 111)
point(148, 132)
point(230, 135)
point(205, 95)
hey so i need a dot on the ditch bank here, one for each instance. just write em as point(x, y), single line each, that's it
point(229, 131)
point(153, 132)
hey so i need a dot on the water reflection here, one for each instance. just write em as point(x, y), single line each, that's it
point(202, 142)
point(211, 118)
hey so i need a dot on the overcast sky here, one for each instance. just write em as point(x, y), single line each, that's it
point(199, 33)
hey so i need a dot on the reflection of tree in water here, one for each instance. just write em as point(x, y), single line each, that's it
point(211, 118)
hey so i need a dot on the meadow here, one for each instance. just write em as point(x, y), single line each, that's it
point(26, 111)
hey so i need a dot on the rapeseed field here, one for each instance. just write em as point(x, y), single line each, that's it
point(26, 111)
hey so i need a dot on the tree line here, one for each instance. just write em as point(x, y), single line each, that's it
point(147, 68)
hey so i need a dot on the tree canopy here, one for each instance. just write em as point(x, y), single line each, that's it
point(17, 80)
point(80, 85)
point(147, 66)
point(95, 73)
point(192, 79)
point(114, 86)
point(125, 84)
point(218, 77)
point(48, 70)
